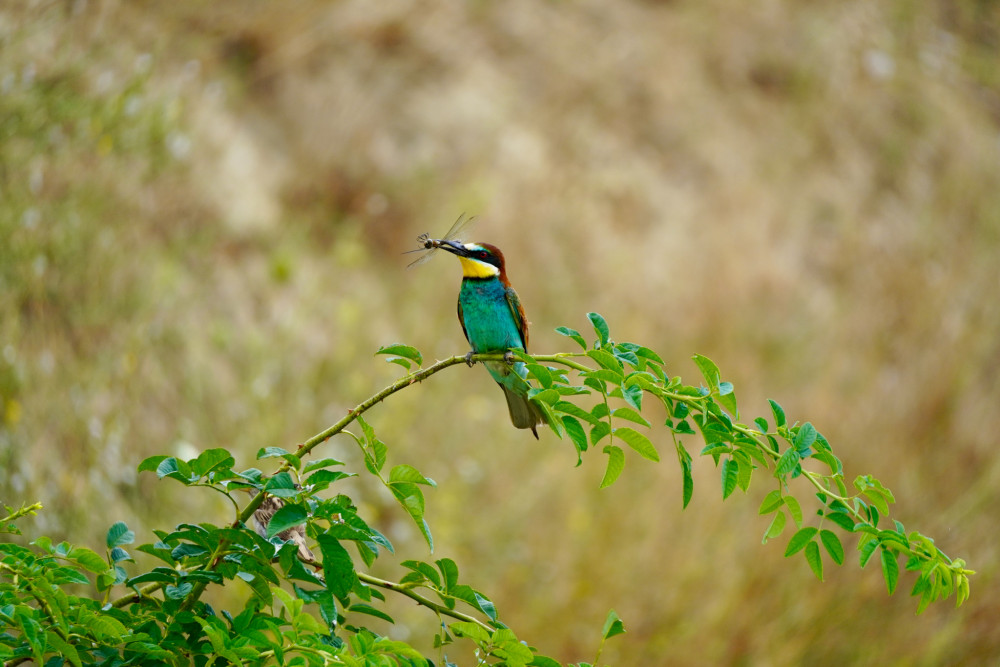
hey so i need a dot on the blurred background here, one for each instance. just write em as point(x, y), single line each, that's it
point(204, 207)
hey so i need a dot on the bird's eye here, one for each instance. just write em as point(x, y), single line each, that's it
point(483, 254)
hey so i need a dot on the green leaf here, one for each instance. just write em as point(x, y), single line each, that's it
point(708, 370)
point(598, 432)
point(612, 625)
point(58, 644)
point(745, 471)
point(616, 463)
point(323, 463)
point(799, 540)
point(633, 396)
point(67, 575)
point(151, 463)
point(411, 498)
point(805, 438)
point(426, 571)
point(727, 397)
point(842, 520)
point(777, 525)
point(786, 463)
point(574, 334)
point(540, 373)
point(362, 608)
point(833, 545)
point(867, 549)
point(890, 569)
point(547, 396)
point(831, 461)
point(278, 452)
point(963, 590)
point(87, 559)
point(730, 473)
point(186, 550)
point(778, 412)
point(171, 467)
point(161, 574)
point(407, 473)
point(772, 501)
point(32, 632)
point(794, 509)
point(688, 479)
point(118, 554)
point(647, 353)
point(576, 411)
point(449, 570)
point(601, 327)
point(638, 442)
point(476, 599)
point(577, 434)
point(814, 560)
point(324, 478)
point(399, 361)
point(281, 485)
point(338, 569)
point(375, 456)
point(472, 631)
point(544, 661)
point(119, 534)
point(594, 383)
point(406, 351)
point(289, 516)
point(178, 592)
point(627, 357)
point(632, 416)
point(212, 459)
point(878, 500)
point(608, 362)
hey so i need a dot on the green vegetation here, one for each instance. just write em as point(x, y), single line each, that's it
point(164, 619)
point(202, 215)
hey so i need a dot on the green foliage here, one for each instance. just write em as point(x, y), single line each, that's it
point(313, 611)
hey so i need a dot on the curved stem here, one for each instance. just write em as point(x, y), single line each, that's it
point(352, 414)
point(422, 601)
point(137, 595)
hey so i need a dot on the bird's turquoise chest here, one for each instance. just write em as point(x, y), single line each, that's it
point(487, 316)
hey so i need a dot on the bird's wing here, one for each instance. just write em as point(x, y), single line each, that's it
point(461, 320)
point(518, 312)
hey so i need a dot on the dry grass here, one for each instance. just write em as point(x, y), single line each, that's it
point(203, 209)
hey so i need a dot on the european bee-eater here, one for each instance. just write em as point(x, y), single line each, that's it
point(493, 321)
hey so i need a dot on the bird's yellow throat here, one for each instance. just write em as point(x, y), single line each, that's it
point(475, 269)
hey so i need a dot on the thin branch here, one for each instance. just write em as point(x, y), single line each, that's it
point(137, 595)
point(421, 600)
point(313, 442)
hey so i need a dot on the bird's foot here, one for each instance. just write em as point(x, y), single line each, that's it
point(508, 357)
point(468, 358)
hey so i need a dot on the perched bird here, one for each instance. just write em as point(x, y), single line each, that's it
point(493, 321)
point(297, 534)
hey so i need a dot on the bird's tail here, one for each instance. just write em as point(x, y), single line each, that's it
point(524, 413)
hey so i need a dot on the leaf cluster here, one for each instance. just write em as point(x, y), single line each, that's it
point(56, 602)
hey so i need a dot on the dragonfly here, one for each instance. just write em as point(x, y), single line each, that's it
point(429, 246)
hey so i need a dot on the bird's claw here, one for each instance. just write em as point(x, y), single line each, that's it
point(469, 360)
point(508, 357)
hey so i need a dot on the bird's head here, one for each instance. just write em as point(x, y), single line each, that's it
point(479, 260)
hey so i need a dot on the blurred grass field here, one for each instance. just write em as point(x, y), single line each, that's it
point(203, 208)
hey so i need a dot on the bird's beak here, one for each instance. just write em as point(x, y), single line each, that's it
point(454, 247)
